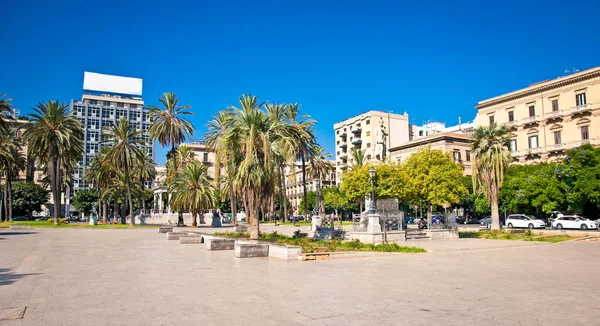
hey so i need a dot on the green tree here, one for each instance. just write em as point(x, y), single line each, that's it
point(358, 158)
point(193, 190)
point(491, 156)
point(334, 199)
point(84, 200)
point(12, 162)
point(580, 171)
point(28, 198)
point(170, 126)
point(356, 184)
point(310, 203)
point(126, 147)
point(433, 177)
point(57, 139)
point(6, 112)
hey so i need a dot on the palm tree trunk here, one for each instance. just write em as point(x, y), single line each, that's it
point(495, 213)
point(123, 207)
point(233, 202)
point(252, 210)
point(285, 200)
point(179, 212)
point(304, 183)
point(9, 191)
point(5, 201)
point(130, 198)
point(115, 209)
point(194, 217)
point(105, 211)
point(54, 188)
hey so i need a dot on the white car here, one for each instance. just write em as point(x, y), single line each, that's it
point(524, 221)
point(573, 222)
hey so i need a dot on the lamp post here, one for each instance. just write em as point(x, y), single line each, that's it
point(373, 209)
point(318, 201)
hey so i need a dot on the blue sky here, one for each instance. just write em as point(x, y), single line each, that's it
point(435, 60)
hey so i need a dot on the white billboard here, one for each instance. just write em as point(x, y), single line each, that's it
point(113, 84)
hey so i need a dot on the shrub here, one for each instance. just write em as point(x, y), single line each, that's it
point(333, 244)
point(354, 244)
point(394, 247)
point(299, 235)
point(528, 233)
point(60, 220)
point(508, 235)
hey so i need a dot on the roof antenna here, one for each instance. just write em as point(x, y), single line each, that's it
point(459, 124)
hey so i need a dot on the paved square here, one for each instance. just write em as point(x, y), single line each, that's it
point(137, 277)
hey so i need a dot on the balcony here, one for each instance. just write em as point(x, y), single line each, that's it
point(357, 142)
point(511, 124)
point(356, 130)
point(556, 147)
point(343, 134)
point(343, 166)
point(553, 115)
point(534, 151)
point(344, 157)
point(344, 145)
point(581, 108)
point(514, 153)
point(530, 120)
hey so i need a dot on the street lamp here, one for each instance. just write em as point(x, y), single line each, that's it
point(373, 209)
point(318, 201)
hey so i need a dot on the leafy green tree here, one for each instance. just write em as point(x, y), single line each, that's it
point(580, 170)
point(334, 199)
point(356, 184)
point(28, 197)
point(433, 177)
point(491, 156)
point(309, 204)
point(57, 139)
point(84, 200)
point(390, 181)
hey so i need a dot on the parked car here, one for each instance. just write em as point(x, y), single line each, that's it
point(486, 221)
point(574, 222)
point(19, 218)
point(524, 221)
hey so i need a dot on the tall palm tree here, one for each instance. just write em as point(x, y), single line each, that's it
point(6, 112)
point(320, 167)
point(491, 156)
point(144, 170)
point(303, 133)
point(358, 158)
point(126, 144)
point(169, 126)
point(193, 190)
point(56, 138)
point(12, 162)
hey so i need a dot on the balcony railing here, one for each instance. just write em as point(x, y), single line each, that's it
point(344, 145)
point(514, 153)
point(344, 157)
point(556, 147)
point(581, 108)
point(356, 130)
point(357, 142)
point(529, 120)
point(511, 124)
point(343, 135)
point(534, 151)
point(553, 115)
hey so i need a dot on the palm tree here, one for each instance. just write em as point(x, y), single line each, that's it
point(491, 156)
point(169, 126)
point(193, 190)
point(12, 162)
point(358, 157)
point(56, 138)
point(6, 112)
point(320, 167)
point(126, 144)
point(144, 170)
point(303, 134)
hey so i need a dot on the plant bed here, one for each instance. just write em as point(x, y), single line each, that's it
point(523, 235)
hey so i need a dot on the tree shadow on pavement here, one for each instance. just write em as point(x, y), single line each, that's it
point(7, 277)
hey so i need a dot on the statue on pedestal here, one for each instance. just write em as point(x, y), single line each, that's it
point(380, 136)
point(93, 215)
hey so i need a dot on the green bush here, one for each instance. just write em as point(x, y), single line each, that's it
point(60, 220)
point(394, 247)
point(299, 235)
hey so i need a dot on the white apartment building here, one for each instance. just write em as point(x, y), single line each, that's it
point(374, 131)
point(107, 99)
point(293, 184)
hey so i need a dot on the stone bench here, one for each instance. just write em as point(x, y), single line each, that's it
point(219, 244)
point(190, 240)
point(20, 227)
point(251, 250)
point(241, 228)
point(165, 229)
point(284, 252)
point(178, 235)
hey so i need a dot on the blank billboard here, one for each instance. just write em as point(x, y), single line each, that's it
point(112, 84)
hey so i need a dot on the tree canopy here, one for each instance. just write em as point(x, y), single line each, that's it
point(28, 198)
point(84, 200)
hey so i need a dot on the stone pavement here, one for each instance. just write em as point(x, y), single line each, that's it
point(137, 277)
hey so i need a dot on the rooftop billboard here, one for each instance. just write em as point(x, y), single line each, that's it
point(113, 84)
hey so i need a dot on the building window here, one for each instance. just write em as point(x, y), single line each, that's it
point(468, 156)
point(580, 99)
point(585, 135)
point(338, 152)
point(532, 111)
point(554, 105)
point(511, 116)
point(557, 139)
point(337, 132)
point(368, 122)
point(368, 133)
point(420, 132)
point(338, 142)
point(457, 157)
point(205, 157)
point(368, 145)
point(513, 145)
point(491, 117)
point(533, 141)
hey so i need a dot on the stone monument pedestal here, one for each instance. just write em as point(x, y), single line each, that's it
point(373, 226)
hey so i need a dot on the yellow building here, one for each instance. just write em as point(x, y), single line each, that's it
point(456, 143)
point(549, 117)
point(294, 188)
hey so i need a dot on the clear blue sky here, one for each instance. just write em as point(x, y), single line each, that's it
point(435, 60)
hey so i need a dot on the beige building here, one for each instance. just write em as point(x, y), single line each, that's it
point(457, 144)
point(374, 131)
point(202, 154)
point(549, 117)
point(294, 188)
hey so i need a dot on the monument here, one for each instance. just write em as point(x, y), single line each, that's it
point(93, 215)
point(380, 138)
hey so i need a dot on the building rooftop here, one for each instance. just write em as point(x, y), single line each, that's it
point(373, 112)
point(431, 139)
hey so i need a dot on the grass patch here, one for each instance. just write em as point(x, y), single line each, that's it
point(509, 235)
point(50, 225)
point(303, 223)
point(309, 245)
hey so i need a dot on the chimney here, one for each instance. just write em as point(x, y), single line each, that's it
point(459, 124)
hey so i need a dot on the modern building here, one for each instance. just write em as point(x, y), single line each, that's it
point(373, 131)
point(435, 128)
point(293, 184)
point(457, 144)
point(107, 99)
point(548, 118)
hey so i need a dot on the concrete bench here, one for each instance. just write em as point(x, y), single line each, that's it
point(20, 227)
point(219, 244)
point(165, 229)
point(284, 252)
point(241, 228)
point(190, 240)
point(251, 250)
point(178, 235)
